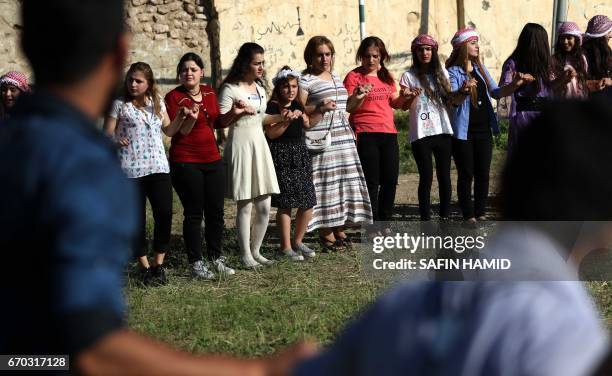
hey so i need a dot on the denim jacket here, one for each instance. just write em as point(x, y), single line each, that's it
point(460, 115)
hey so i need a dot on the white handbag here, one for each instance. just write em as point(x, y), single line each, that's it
point(318, 141)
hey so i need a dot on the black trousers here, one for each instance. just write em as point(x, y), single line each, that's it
point(156, 188)
point(201, 189)
point(422, 150)
point(473, 160)
point(379, 155)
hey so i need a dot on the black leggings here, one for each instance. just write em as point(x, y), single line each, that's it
point(473, 160)
point(157, 188)
point(379, 155)
point(201, 187)
point(422, 150)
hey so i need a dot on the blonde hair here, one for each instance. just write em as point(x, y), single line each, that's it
point(462, 59)
point(152, 90)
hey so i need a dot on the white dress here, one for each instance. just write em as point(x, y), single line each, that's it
point(249, 167)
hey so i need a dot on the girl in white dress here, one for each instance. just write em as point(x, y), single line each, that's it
point(251, 177)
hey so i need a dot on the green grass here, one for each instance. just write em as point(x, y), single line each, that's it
point(257, 313)
point(253, 313)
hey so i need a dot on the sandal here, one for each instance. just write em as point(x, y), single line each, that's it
point(346, 242)
point(330, 245)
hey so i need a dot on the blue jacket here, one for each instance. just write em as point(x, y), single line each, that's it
point(68, 221)
point(460, 115)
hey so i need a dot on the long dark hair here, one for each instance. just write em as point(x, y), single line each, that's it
point(241, 63)
point(152, 90)
point(441, 85)
point(532, 53)
point(599, 56)
point(575, 58)
point(310, 52)
point(383, 73)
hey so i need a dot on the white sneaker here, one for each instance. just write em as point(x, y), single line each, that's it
point(292, 255)
point(303, 248)
point(200, 270)
point(222, 268)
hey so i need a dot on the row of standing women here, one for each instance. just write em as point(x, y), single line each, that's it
point(352, 180)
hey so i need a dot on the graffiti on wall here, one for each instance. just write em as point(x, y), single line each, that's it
point(284, 47)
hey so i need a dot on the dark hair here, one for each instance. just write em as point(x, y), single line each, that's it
point(599, 57)
point(441, 84)
point(189, 56)
point(383, 74)
point(64, 40)
point(281, 83)
point(575, 57)
point(152, 90)
point(241, 63)
point(568, 180)
point(310, 51)
point(532, 53)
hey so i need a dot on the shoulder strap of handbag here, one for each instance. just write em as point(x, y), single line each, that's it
point(342, 115)
point(331, 120)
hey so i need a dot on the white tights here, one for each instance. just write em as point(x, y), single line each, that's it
point(251, 256)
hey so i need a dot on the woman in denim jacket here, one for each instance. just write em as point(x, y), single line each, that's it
point(473, 121)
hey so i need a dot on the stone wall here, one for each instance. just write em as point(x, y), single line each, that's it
point(162, 31)
point(10, 52)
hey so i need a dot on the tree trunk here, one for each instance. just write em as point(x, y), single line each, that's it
point(460, 14)
point(213, 32)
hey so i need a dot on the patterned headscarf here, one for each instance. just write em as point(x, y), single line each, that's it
point(17, 79)
point(423, 40)
point(598, 26)
point(463, 36)
point(460, 38)
point(570, 28)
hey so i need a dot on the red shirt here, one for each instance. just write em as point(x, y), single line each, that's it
point(200, 145)
point(375, 114)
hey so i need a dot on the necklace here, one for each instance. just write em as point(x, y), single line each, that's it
point(196, 94)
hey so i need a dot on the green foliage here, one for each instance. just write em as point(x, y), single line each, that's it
point(407, 163)
point(501, 142)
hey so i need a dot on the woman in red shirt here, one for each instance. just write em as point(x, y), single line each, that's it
point(197, 172)
point(372, 118)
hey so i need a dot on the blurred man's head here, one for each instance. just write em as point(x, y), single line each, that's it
point(69, 42)
point(65, 40)
point(561, 167)
point(560, 170)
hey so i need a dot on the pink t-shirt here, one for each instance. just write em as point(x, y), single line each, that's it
point(375, 114)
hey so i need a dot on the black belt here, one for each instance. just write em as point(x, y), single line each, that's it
point(530, 103)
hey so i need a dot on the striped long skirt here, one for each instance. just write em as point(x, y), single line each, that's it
point(340, 186)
